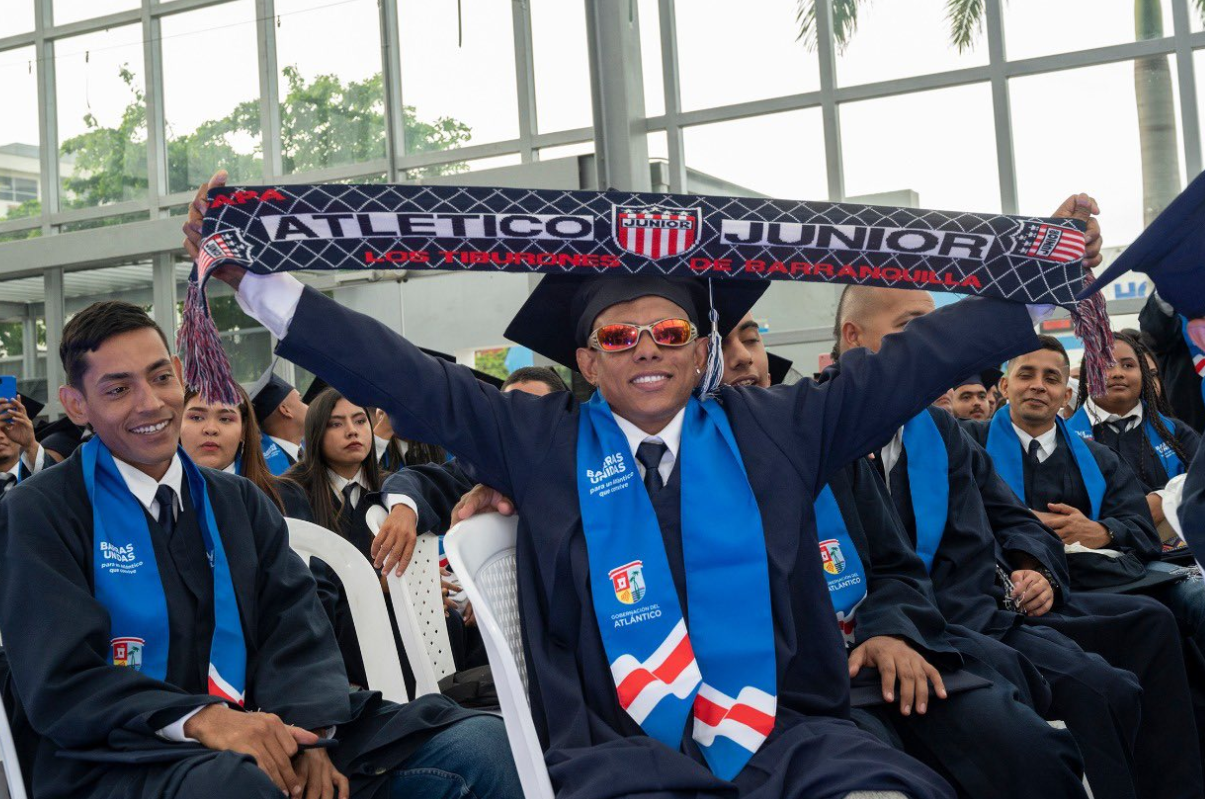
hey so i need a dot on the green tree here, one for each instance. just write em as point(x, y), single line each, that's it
point(324, 122)
point(1152, 83)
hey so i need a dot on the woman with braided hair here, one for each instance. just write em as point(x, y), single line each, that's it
point(1131, 418)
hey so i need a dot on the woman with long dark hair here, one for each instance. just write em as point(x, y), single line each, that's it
point(226, 437)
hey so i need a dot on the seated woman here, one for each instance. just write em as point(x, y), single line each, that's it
point(341, 479)
point(226, 438)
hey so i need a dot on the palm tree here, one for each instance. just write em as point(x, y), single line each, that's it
point(1152, 83)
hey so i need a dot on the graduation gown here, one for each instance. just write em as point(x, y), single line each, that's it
point(96, 723)
point(435, 489)
point(1099, 703)
point(1192, 505)
point(1135, 449)
point(1134, 633)
point(985, 740)
point(1181, 383)
point(791, 439)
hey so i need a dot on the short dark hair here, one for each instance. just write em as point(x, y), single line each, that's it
point(1054, 345)
point(95, 325)
point(536, 374)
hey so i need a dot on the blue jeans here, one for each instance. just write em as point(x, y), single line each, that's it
point(469, 760)
point(1186, 599)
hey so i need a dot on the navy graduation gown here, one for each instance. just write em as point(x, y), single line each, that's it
point(105, 717)
point(1181, 383)
point(985, 741)
point(1099, 703)
point(1192, 506)
point(791, 439)
point(1123, 509)
point(1136, 450)
point(435, 489)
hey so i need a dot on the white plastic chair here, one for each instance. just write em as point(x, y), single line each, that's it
point(481, 551)
point(368, 612)
point(8, 759)
point(419, 610)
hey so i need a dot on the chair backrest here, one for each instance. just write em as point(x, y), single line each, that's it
point(368, 612)
point(481, 551)
point(418, 609)
point(13, 778)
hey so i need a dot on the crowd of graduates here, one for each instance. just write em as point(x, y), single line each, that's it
point(938, 568)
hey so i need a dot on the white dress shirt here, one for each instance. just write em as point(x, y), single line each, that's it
point(230, 467)
point(1047, 442)
point(1098, 415)
point(890, 455)
point(39, 463)
point(338, 483)
point(143, 487)
point(670, 436)
point(291, 449)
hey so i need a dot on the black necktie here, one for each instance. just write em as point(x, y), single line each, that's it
point(166, 498)
point(347, 492)
point(1031, 455)
point(1034, 449)
point(650, 454)
point(1122, 425)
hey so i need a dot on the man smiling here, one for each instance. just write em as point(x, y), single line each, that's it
point(149, 604)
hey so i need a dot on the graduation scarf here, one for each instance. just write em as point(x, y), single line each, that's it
point(928, 483)
point(843, 570)
point(722, 672)
point(277, 460)
point(1081, 425)
point(127, 581)
point(283, 228)
point(1004, 446)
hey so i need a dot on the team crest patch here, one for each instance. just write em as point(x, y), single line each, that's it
point(656, 231)
point(127, 652)
point(628, 582)
point(830, 555)
point(226, 244)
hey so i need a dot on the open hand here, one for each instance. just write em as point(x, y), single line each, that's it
point(394, 542)
point(482, 499)
point(895, 659)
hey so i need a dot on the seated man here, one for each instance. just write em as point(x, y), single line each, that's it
point(982, 738)
point(20, 453)
point(973, 398)
point(149, 605)
point(927, 468)
point(280, 412)
point(1078, 487)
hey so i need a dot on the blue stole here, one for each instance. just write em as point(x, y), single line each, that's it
point(127, 581)
point(278, 461)
point(723, 670)
point(1081, 425)
point(843, 569)
point(1004, 446)
point(928, 483)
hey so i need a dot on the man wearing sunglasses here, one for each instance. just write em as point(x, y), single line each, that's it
point(675, 624)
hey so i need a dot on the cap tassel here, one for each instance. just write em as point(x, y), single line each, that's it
point(206, 367)
point(713, 373)
point(1092, 326)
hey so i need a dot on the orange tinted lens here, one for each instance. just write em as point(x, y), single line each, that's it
point(672, 332)
point(617, 337)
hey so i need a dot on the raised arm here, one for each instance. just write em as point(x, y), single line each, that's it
point(433, 488)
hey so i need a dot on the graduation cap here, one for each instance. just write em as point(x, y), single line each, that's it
point(482, 376)
point(780, 369)
point(268, 392)
point(556, 318)
point(987, 378)
point(62, 436)
point(1172, 251)
point(32, 406)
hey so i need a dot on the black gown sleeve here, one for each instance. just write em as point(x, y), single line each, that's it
point(435, 489)
point(1123, 509)
point(1180, 381)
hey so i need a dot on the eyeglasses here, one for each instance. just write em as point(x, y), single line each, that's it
point(666, 333)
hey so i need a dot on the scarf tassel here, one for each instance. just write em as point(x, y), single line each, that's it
point(206, 367)
point(1092, 326)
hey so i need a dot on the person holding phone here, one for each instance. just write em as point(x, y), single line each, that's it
point(20, 453)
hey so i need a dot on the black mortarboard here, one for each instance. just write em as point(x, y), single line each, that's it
point(316, 387)
point(556, 318)
point(62, 436)
point(267, 393)
point(1172, 251)
point(987, 378)
point(32, 406)
point(484, 377)
point(780, 369)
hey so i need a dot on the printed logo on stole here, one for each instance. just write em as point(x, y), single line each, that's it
point(628, 582)
point(612, 465)
point(112, 554)
point(127, 652)
point(830, 555)
point(655, 231)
